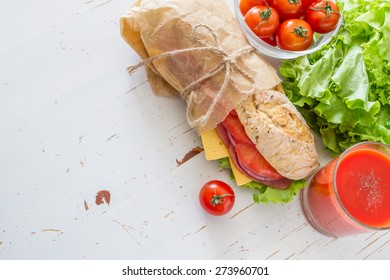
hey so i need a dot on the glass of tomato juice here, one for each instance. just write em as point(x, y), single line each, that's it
point(351, 194)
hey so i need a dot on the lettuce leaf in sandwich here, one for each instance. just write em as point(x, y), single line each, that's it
point(263, 193)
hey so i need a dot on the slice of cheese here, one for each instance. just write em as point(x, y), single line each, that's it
point(241, 179)
point(215, 149)
point(213, 146)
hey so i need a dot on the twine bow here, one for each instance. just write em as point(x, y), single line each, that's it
point(227, 63)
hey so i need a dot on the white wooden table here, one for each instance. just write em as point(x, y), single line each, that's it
point(73, 122)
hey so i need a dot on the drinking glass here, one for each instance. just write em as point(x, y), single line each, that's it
point(351, 194)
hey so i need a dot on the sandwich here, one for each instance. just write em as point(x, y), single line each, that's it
point(267, 145)
point(196, 50)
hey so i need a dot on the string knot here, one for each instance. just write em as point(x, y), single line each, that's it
point(228, 63)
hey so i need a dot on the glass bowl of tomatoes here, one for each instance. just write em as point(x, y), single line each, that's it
point(287, 29)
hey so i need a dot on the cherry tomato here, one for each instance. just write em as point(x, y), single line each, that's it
point(306, 4)
point(270, 40)
point(262, 20)
point(216, 198)
point(251, 159)
point(323, 16)
point(294, 35)
point(288, 9)
point(234, 126)
point(246, 5)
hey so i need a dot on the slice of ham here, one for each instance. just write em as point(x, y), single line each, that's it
point(229, 141)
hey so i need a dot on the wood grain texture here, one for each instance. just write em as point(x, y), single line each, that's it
point(73, 122)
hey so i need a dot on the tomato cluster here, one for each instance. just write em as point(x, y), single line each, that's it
point(290, 24)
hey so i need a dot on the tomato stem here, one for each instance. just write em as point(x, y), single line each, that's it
point(264, 16)
point(296, 2)
point(301, 31)
point(219, 199)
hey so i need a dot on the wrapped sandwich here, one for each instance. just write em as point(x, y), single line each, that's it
point(196, 50)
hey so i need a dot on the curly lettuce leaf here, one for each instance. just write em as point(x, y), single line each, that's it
point(343, 90)
point(265, 194)
point(268, 194)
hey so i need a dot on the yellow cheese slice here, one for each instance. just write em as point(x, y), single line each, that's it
point(213, 146)
point(215, 149)
point(241, 179)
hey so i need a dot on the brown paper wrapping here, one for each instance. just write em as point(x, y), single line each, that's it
point(157, 27)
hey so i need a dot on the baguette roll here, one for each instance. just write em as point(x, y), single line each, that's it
point(279, 133)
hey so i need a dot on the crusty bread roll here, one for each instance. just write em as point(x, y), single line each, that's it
point(280, 133)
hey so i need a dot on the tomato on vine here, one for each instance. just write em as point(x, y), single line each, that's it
point(262, 20)
point(294, 35)
point(216, 197)
point(323, 16)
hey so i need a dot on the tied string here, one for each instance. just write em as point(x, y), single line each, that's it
point(227, 63)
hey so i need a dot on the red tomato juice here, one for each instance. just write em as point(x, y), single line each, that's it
point(359, 198)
